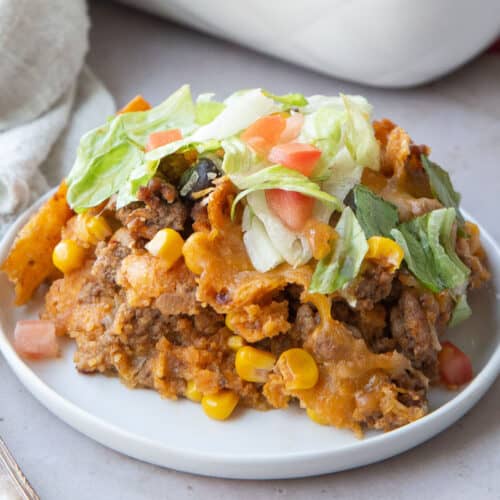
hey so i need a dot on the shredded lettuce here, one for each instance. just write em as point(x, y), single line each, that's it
point(428, 242)
point(461, 311)
point(343, 176)
point(240, 111)
point(334, 122)
point(239, 160)
point(344, 261)
point(258, 244)
point(441, 186)
point(108, 154)
point(293, 247)
point(341, 128)
point(207, 109)
point(294, 100)
point(278, 177)
point(376, 216)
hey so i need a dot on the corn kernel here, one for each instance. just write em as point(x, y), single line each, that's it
point(386, 251)
point(191, 256)
point(253, 365)
point(91, 229)
point(192, 392)
point(68, 255)
point(298, 369)
point(98, 227)
point(235, 342)
point(166, 244)
point(315, 417)
point(219, 406)
point(229, 321)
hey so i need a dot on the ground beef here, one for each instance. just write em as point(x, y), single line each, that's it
point(414, 386)
point(372, 286)
point(208, 322)
point(306, 320)
point(199, 214)
point(158, 207)
point(109, 257)
point(414, 331)
point(472, 254)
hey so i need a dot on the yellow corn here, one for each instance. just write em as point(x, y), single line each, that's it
point(386, 251)
point(91, 228)
point(229, 321)
point(191, 257)
point(315, 417)
point(68, 255)
point(253, 365)
point(166, 244)
point(192, 392)
point(219, 406)
point(235, 342)
point(298, 369)
point(98, 227)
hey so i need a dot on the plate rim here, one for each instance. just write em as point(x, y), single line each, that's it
point(292, 465)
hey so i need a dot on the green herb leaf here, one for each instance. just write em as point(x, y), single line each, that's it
point(279, 177)
point(376, 216)
point(428, 242)
point(441, 186)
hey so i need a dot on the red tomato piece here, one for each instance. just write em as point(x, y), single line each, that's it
point(36, 339)
point(293, 127)
point(264, 133)
point(455, 367)
point(299, 157)
point(293, 208)
point(162, 137)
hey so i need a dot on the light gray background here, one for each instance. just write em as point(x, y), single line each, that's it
point(459, 117)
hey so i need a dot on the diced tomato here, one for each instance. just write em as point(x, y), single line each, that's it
point(293, 208)
point(162, 137)
point(36, 339)
point(293, 127)
point(455, 367)
point(264, 133)
point(300, 157)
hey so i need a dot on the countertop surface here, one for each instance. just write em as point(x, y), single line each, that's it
point(459, 117)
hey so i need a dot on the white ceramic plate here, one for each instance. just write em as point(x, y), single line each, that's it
point(252, 444)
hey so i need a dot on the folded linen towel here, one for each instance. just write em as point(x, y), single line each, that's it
point(48, 98)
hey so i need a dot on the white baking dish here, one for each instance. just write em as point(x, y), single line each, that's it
point(387, 43)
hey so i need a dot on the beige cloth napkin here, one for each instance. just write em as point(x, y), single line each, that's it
point(48, 98)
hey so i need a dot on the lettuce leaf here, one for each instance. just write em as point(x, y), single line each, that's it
point(344, 176)
point(344, 261)
point(428, 242)
point(239, 160)
point(258, 244)
point(108, 154)
point(278, 177)
point(207, 109)
point(376, 216)
point(294, 100)
point(341, 128)
point(293, 247)
point(241, 109)
point(253, 177)
point(461, 311)
point(332, 123)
